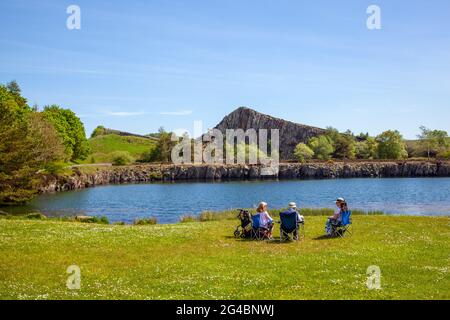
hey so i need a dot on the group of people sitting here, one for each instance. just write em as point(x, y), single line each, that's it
point(291, 221)
point(266, 222)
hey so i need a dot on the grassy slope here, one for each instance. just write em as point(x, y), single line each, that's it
point(103, 146)
point(203, 260)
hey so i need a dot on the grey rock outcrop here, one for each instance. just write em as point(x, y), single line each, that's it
point(290, 133)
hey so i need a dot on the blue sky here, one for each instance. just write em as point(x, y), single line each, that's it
point(138, 65)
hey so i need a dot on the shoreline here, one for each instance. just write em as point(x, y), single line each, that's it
point(90, 176)
point(204, 216)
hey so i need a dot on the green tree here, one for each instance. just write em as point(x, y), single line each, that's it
point(362, 136)
point(367, 149)
point(433, 141)
point(71, 131)
point(343, 143)
point(163, 150)
point(302, 152)
point(100, 130)
point(322, 147)
point(344, 146)
point(28, 142)
point(15, 93)
point(391, 145)
point(121, 158)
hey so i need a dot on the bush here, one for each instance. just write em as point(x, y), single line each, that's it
point(56, 168)
point(88, 219)
point(145, 221)
point(302, 152)
point(37, 216)
point(444, 155)
point(121, 158)
point(322, 147)
point(99, 131)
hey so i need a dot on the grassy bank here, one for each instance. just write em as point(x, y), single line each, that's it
point(104, 147)
point(203, 260)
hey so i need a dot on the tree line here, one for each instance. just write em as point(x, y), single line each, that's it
point(33, 142)
point(388, 145)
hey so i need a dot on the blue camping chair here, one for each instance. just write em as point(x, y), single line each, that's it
point(258, 232)
point(290, 224)
point(341, 228)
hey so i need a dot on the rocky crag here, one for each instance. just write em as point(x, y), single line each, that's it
point(290, 133)
point(148, 173)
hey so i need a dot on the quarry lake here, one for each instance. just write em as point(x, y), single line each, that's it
point(169, 201)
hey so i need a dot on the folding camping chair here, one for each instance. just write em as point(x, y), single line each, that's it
point(258, 232)
point(290, 224)
point(341, 228)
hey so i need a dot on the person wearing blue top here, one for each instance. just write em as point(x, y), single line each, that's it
point(341, 206)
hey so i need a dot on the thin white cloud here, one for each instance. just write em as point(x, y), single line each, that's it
point(134, 114)
point(125, 114)
point(176, 113)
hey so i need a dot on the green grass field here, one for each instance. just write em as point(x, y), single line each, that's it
point(103, 146)
point(202, 260)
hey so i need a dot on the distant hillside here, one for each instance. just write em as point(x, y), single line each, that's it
point(290, 133)
point(103, 146)
point(100, 130)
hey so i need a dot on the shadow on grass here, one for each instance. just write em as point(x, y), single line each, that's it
point(277, 241)
point(326, 237)
point(269, 241)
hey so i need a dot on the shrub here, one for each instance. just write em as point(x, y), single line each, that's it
point(322, 147)
point(145, 221)
point(95, 219)
point(302, 152)
point(56, 168)
point(444, 155)
point(121, 158)
point(37, 216)
point(100, 130)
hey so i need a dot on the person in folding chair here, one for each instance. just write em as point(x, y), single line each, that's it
point(339, 223)
point(262, 223)
point(291, 222)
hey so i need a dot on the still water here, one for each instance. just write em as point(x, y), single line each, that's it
point(169, 201)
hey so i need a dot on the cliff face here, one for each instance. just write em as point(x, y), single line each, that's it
point(147, 173)
point(290, 133)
